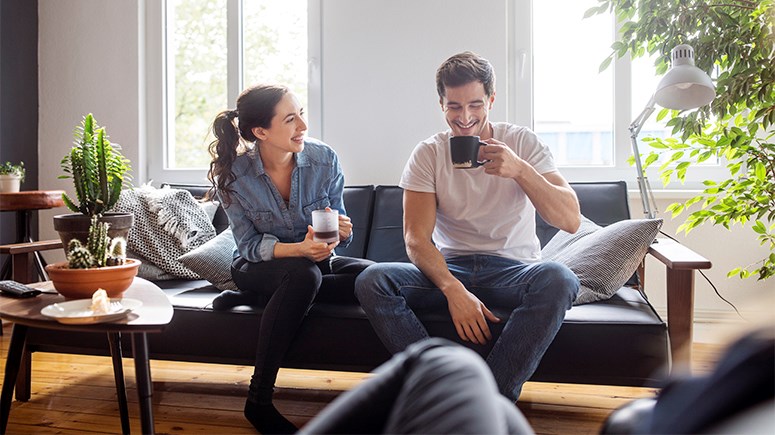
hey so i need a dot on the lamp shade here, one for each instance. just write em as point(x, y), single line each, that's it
point(684, 86)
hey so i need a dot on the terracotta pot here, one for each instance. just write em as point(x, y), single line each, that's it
point(76, 226)
point(82, 283)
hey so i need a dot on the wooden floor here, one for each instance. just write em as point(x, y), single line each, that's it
point(76, 394)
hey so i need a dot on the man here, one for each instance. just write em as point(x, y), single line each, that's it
point(482, 222)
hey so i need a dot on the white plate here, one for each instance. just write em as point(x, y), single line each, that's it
point(79, 312)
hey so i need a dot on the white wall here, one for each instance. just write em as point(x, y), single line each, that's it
point(379, 75)
point(88, 63)
point(379, 100)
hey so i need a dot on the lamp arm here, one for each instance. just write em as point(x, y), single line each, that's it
point(646, 195)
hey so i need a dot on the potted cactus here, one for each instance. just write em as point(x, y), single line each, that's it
point(11, 177)
point(99, 263)
point(99, 173)
point(99, 250)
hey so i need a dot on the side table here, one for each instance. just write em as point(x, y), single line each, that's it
point(24, 203)
point(153, 316)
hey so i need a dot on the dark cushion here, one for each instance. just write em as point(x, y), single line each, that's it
point(358, 201)
point(386, 240)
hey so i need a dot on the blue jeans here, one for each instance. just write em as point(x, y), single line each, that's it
point(536, 295)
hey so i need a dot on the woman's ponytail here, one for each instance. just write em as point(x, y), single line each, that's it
point(223, 150)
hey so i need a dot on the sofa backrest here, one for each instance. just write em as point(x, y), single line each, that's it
point(604, 202)
point(359, 203)
point(386, 237)
point(377, 215)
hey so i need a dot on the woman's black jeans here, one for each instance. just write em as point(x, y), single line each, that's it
point(288, 286)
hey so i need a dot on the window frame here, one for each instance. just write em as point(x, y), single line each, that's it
point(155, 99)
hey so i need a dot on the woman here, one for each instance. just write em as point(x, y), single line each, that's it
point(269, 179)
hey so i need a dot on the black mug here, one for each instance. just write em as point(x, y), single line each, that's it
point(465, 151)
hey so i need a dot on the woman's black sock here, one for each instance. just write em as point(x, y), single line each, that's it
point(267, 419)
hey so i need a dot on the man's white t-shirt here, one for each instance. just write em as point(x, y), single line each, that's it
point(478, 213)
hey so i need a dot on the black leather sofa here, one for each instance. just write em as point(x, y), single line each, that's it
point(620, 341)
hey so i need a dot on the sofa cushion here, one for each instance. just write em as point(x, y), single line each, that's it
point(168, 223)
point(212, 261)
point(563, 240)
point(386, 239)
point(199, 191)
point(358, 202)
point(604, 258)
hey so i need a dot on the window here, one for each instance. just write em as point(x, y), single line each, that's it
point(582, 114)
point(202, 53)
point(196, 78)
point(573, 113)
point(209, 51)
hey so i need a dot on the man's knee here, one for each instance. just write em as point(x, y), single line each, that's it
point(559, 282)
point(371, 281)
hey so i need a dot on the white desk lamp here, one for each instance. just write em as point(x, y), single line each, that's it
point(683, 87)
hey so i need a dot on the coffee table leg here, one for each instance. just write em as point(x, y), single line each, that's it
point(114, 338)
point(143, 379)
point(18, 337)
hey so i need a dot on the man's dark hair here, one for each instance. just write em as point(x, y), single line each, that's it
point(464, 68)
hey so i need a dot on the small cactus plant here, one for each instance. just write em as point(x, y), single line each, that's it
point(78, 256)
point(99, 250)
point(117, 252)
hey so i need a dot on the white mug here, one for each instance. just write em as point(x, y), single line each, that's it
point(325, 224)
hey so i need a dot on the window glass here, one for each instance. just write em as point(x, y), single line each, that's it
point(196, 71)
point(275, 44)
point(573, 109)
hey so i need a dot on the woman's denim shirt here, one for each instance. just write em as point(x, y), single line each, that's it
point(258, 215)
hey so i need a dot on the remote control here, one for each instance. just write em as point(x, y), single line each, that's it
point(17, 290)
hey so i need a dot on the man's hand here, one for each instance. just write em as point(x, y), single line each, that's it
point(469, 315)
point(501, 160)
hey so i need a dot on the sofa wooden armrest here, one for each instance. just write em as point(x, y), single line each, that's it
point(21, 257)
point(681, 262)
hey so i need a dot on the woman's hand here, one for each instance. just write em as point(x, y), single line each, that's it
point(315, 251)
point(345, 227)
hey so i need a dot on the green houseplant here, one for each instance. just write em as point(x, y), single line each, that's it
point(734, 41)
point(99, 172)
point(11, 176)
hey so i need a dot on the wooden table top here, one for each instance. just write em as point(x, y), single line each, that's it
point(31, 200)
point(155, 313)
